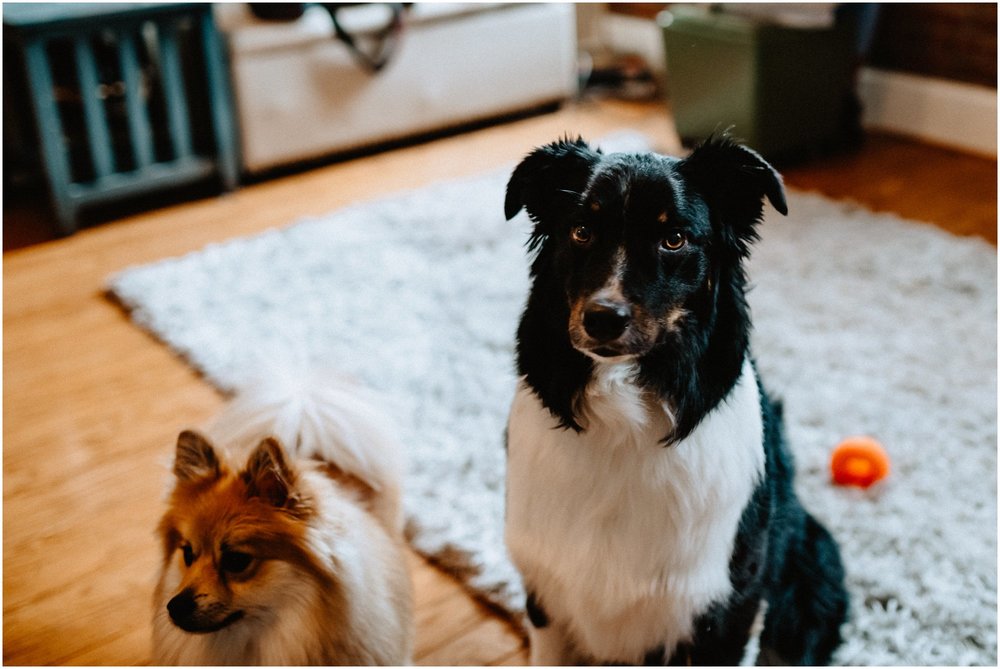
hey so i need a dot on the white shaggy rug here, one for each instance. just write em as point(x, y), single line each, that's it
point(864, 324)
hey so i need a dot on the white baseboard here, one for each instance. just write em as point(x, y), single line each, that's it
point(940, 111)
point(951, 113)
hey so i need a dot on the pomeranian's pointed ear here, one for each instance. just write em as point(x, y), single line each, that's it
point(269, 476)
point(733, 180)
point(195, 459)
point(550, 180)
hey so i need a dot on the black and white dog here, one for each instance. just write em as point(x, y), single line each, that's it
point(650, 502)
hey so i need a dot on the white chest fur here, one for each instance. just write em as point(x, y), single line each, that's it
point(626, 541)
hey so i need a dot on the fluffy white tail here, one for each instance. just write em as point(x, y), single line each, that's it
point(323, 416)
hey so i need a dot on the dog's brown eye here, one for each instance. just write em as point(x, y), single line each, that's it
point(188, 554)
point(673, 241)
point(235, 562)
point(581, 235)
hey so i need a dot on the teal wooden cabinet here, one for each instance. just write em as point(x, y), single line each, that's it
point(127, 99)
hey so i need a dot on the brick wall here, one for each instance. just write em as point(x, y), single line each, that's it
point(952, 41)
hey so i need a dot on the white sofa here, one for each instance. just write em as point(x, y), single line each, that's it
point(300, 94)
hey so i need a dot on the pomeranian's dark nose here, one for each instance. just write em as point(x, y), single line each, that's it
point(182, 605)
point(605, 320)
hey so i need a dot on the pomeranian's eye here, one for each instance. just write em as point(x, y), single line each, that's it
point(673, 241)
point(581, 235)
point(234, 562)
point(188, 554)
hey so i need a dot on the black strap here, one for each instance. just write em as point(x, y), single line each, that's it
point(278, 11)
point(383, 41)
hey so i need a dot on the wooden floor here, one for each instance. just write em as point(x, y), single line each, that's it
point(92, 404)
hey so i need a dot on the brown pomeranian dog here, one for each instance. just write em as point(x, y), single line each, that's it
point(283, 540)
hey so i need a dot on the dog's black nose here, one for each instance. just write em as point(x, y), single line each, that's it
point(605, 320)
point(182, 605)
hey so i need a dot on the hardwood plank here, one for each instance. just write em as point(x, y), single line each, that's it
point(478, 647)
point(459, 631)
point(955, 191)
point(489, 641)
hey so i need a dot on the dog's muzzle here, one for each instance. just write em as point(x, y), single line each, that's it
point(604, 327)
point(606, 320)
point(184, 612)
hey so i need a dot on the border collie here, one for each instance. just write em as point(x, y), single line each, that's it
point(650, 501)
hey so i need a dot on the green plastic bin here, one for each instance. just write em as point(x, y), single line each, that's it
point(781, 90)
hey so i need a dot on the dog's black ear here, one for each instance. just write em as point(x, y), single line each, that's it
point(268, 475)
point(195, 459)
point(550, 181)
point(733, 180)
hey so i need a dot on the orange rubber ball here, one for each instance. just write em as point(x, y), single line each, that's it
point(859, 461)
